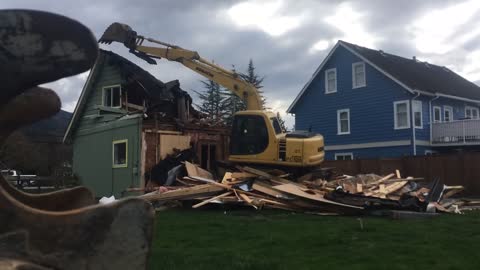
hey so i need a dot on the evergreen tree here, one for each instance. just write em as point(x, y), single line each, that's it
point(252, 77)
point(281, 122)
point(213, 101)
point(235, 103)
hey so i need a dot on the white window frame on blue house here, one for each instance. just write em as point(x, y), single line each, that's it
point(417, 109)
point(337, 155)
point(327, 91)
point(445, 110)
point(339, 124)
point(472, 115)
point(355, 83)
point(395, 114)
point(439, 109)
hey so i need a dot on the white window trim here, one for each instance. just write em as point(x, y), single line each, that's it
point(417, 102)
point(103, 95)
point(123, 165)
point(450, 109)
point(439, 114)
point(343, 154)
point(326, 81)
point(472, 108)
point(338, 122)
point(354, 82)
point(395, 114)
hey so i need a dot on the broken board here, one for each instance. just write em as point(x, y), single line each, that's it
point(295, 190)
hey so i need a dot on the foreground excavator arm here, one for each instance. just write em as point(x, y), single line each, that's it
point(191, 59)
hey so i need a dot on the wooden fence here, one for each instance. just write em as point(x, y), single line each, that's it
point(451, 169)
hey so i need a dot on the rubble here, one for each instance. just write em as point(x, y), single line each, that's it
point(390, 195)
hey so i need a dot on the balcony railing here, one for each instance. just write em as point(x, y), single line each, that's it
point(460, 132)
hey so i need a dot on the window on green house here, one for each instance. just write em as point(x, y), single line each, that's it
point(120, 153)
point(112, 96)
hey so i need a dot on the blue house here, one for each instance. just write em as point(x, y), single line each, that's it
point(368, 104)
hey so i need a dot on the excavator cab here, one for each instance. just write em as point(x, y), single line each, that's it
point(249, 135)
point(258, 138)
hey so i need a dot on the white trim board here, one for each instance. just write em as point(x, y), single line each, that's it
point(395, 122)
point(313, 76)
point(326, 80)
point(80, 99)
point(354, 78)
point(368, 145)
point(422, 143)
point(339, 124)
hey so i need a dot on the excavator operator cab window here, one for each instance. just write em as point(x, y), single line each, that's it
point(276, 125)
point(249, 135)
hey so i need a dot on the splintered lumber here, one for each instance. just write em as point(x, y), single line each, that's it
point(397, 172)
point(237, 175)
point(227, 177)
point(266, 188)
point(359, 188)
point(452, 192)
point(184, 193)
point(381, 180)
point(266, 175)
point(212, 199)
point(295, 190)
point(195, 171)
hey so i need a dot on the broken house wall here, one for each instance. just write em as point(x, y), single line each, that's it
point(209, 145)
point(154, 117)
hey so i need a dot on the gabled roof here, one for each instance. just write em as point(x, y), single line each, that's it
point(155, 89)
point(413, 75)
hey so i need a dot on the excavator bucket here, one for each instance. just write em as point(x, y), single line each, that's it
point(64, 229)
point(119, 32)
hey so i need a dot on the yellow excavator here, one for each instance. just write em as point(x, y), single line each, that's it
point(256, 135)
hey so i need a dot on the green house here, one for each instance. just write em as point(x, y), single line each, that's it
point(126, 121)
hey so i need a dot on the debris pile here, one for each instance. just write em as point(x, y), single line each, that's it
point(359, 194)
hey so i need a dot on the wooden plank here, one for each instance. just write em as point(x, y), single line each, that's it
point(226, 177)
point(381, 180)
point(184, 193)
point(265, 188)
point(247, 199)
point(226, 186)
point(238, 175)
point(450, 193)
point(212, 199)
point(397, 172)
point(170, 142)
point(195, 171)
point(394, 187)
point(266, 175)
point(359, 188)
point(295, 190)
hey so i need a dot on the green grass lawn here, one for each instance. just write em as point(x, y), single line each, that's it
point(244, 239)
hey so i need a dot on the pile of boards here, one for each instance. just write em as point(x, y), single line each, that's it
point(343, 195)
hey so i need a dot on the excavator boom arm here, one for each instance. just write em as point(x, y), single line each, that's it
point(190, 59)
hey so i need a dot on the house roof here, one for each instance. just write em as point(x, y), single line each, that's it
point(413, 75)
point(155, 89)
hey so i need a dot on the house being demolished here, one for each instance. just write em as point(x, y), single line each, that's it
point(126, 122)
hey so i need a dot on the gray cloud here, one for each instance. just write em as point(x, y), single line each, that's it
point(287, 60)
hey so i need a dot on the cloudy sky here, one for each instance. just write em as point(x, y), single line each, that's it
point(287, 39)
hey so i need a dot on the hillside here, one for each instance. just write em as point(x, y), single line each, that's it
point(49, 130)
